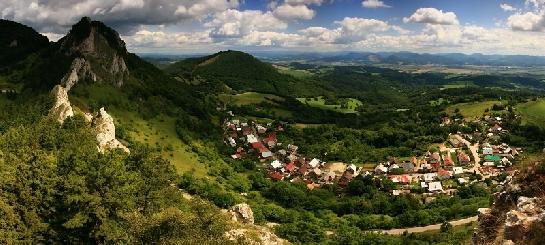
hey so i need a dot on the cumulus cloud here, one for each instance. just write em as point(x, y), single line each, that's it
point(233, 23)
point(294, 12)
point(374, 4)
point(533, 20)
point(507, 8)
point(124, 15)
point(432, 16)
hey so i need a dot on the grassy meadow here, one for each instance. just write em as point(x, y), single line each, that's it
point(533, 112)
point(319, 102)
point(472, 109)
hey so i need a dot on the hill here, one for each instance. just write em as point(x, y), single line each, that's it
point(242, 72)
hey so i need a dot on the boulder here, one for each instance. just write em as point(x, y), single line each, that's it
point(242, 213)
point(62, 108)
point(105, 130)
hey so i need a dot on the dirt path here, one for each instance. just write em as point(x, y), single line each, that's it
point(429, 227)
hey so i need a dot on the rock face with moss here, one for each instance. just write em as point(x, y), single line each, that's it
point(98, 54)
point(105, 130)
point(62, 108)
point(517, 215)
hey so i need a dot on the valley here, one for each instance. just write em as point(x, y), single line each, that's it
point(98, 145)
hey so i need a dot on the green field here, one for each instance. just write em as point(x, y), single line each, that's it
point(472, 109)
point(459, 84)
point(533, 112)
point(161, 132)
point(293, 72)
point(249, 98)
point(351, 104)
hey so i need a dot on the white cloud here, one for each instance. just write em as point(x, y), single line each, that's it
point(374, 4)
point(507, 8)
point(124, 15)
point(294, 12)
point(527, 21)
point(233, 23)
point(432, 16)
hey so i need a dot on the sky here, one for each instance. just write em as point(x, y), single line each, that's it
point(206, 26)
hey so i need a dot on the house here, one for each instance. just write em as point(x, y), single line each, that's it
point(353, 169)
point(492, 158)
point(408, 167)
point(462, 180)
point(246, 131)
point(329, 177)
point(292, 148)
point(488, 151)
point(290, 167)
point(430, 177)
point(423, 184)
point(458, 170)
point(381, 169)
point(276, 164)
point(250, 138)
point(505, 162)
point(434, 158)
point(496, 129)
point(345, 178)
point(435, 187)
point(447, 161)
point(463, 158)
point(314, 162)
point(261, 129)
point(232, 142)
point(443, 174)
point(277, 176)
point(270, 140)
point(415, 162)
point(456, 143)
point(266, 154)
point(392, 167)
point(426, 167)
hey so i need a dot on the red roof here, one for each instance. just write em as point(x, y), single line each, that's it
point(463, 157)
point(276, 176)
point(290, 167)
point(443, 172)
point(448, 161)
point(271, 137)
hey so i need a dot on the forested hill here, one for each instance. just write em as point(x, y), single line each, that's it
point(239, 71)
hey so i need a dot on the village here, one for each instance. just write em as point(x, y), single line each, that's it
point(463, 159)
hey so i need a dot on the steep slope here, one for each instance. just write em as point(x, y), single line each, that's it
point(18, 41)
point(240, 71)
point(517, 215)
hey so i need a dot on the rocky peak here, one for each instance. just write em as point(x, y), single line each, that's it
point(98, 54)
point(105, 130)
point(62, 108)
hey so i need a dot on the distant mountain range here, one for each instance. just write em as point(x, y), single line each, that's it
point(409, 58)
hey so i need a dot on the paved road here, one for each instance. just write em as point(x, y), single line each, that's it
point(429, 227)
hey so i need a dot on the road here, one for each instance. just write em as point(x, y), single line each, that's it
point(429, 227)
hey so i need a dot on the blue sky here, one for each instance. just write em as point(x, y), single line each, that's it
point(197, 26)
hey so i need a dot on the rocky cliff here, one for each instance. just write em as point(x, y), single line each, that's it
point(62, 108)
point(517, 215)
point(98, 54)
point(105, 130)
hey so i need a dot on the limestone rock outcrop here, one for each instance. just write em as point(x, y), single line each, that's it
point(517, 215)
point(79, 70)
point(62, 108)
point(105, 130)
point(242, 213)
point(256, 235)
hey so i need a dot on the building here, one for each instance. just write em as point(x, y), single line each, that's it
point(435, 187)
point(456, 143)
point(488, 151)
point(463, 158)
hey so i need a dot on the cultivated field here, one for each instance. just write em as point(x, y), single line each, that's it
point(472, 109)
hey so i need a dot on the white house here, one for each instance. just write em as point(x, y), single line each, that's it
point(428, 177)
point(458, 170)
point(488, 151)
point(315, 162)
point(276, 164)
point(435, 186)
point(251, 138)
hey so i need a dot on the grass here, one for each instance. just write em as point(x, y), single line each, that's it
point(249, 98)
point(472, 109)
point(533, 112)
point(293, 72)
point(439, 101)
point(319, 102)
point(161, 132)
point(458, 84)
